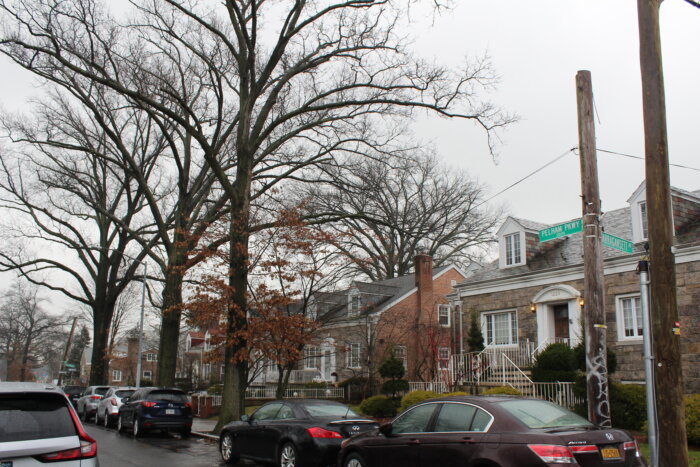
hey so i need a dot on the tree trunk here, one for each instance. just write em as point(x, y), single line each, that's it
point(172, 314)
point(25, 357)
point(102, 319)
point(285, 371)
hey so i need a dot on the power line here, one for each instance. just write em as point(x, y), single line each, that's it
point(641, 158)
point(527, 176)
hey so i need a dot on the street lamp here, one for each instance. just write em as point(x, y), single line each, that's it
point(143, 304)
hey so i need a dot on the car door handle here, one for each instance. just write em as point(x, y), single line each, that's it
point(413, 441)
point(468, 439)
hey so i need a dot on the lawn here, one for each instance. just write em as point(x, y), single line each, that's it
point(693, 455)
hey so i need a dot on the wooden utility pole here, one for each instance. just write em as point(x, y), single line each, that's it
point(62, 367)
point(673, 449)
point(594, 312)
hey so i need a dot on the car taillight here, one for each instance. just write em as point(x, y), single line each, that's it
point(148, 404)
point(631, 445)
point(188, 404)
point(583, 449)
point(95, 397)
point(113, 401)
point(88, 446)
point(318, 432)
point(553, 454)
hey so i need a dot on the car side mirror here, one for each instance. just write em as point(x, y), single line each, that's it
point(245, 418)
point(385, 429)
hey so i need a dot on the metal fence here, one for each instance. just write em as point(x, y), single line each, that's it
point(436, 386)
point(295, 393)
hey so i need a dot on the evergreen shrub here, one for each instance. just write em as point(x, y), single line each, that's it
point(379, 406)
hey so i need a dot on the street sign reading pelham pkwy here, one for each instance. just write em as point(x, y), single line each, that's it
point(561, 230)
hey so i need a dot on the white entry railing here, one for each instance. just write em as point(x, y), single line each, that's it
point(439, 387)
point(559, 393)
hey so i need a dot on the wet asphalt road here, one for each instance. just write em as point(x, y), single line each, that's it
point(154, 450)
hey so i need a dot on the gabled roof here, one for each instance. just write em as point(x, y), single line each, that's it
point(377, 296)
point(568, 251)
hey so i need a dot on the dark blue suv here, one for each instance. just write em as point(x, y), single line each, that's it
point(156, 409)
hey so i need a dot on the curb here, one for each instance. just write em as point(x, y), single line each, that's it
point(205, 435)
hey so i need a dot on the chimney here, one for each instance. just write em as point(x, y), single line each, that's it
point(423, 266)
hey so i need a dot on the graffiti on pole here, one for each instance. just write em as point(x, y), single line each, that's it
point(597, 379)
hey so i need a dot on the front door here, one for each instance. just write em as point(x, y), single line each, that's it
point(561, 321)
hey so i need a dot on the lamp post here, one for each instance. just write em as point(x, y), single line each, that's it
point(143, 304)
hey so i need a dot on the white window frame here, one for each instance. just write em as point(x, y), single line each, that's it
point(643, 220)
point(620, 316)
point(312, 357)
point(354, 304)
point(401, 352)
point(116, 375)
point(443, 357)
point(444, 310)
point(353, 355)
point(147, 374)
point(151, 357)
point(513, 246)
point(512, 327)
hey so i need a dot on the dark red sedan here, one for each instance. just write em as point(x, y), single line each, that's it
point(489, 431)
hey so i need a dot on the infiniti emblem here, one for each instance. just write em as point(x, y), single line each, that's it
point(170, 405)
point(355, 428)
point(609, 436)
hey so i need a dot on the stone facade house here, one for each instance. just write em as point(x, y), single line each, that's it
point(532, 294)
point(364, 324)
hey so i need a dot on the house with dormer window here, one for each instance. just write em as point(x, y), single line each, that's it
point(407, 316)
point(532, 295)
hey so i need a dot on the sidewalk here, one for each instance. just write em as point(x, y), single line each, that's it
point(204, 427)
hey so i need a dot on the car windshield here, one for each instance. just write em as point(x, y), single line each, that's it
point(25, 417)
point(124, 393)
point(542, 414)
point(329, 410)
point(168, 396)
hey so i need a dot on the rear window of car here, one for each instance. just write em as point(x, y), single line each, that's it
point(329, 410)
point(101, 391)
point(124, 393)
point(25, 417)
point(73, 390)
point(168, 396)
point(542, 414)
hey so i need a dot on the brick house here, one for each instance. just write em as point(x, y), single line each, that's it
point(532, 294)
point(200, 359)
point(407, 315)
point(124, 363)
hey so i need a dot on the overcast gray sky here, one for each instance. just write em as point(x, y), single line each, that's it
point(537, 47)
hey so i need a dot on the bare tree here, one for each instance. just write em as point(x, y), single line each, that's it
point(28, 334)
point(390, 210)
point(312, 81)
point(79, 210)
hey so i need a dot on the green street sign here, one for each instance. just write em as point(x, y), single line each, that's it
point(561, 230)
point(617, 243)
point(69, 365)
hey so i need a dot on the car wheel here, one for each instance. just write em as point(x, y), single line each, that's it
point(354, 460)
point(97, 417)
point(288, 456)
point(185, 432)
point(85, 416)
point(105, 422)
point(120, 425)
point(138, 431)
point(227, 449)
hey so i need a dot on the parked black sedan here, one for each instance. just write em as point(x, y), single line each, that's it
point(292, 433)
point(156, 409)
point(494, 431)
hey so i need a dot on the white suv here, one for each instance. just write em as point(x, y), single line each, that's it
point(38, 425)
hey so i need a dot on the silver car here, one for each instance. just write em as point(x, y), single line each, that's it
point(108, 408)
point(87, 404)
point(38, 425)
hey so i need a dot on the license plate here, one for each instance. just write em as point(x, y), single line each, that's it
point(610, 453)
point(5, 463)
point(169, 411)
